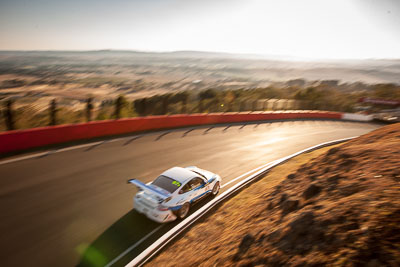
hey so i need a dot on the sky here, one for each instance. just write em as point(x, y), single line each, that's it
point(319, 29)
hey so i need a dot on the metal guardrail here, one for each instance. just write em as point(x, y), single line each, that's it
point(152, 250)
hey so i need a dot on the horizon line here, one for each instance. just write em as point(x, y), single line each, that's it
point(253, 55)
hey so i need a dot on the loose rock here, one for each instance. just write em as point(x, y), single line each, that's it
point(312, 191)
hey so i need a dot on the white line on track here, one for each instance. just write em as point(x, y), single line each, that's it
point(133, 246)
point(24, 157)
point(48, 152)
point(40, 154)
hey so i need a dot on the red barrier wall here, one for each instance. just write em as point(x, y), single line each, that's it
point(30, 138)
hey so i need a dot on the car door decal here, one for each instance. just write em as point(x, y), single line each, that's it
point(200, 196)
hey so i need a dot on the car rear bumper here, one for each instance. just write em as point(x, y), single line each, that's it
point(153, 213)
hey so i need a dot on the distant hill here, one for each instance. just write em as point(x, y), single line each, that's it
point(180, 68)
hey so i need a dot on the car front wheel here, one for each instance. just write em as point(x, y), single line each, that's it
point(215, 189)
point(183, 211)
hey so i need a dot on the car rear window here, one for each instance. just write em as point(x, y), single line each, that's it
point(202, 175)
point(166, 183)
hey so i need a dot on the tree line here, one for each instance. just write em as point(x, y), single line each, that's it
point(320, 97)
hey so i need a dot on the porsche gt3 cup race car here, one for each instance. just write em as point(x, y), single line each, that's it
point(170, 195)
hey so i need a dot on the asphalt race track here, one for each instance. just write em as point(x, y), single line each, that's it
point(55, 205)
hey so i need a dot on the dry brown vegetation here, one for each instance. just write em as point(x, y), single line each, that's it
point(204, 82)
point(338, 206)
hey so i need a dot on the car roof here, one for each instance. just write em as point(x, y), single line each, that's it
point(179, 174)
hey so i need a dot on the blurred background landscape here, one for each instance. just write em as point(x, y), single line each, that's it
point(163, 83)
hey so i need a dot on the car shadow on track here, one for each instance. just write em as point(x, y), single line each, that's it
point(120, 237)
point(116, 239)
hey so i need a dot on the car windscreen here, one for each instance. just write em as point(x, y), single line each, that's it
point(166, 183)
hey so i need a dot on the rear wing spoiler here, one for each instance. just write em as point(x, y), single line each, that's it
point(149, 189)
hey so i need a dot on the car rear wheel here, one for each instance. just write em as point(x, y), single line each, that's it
point(215, 189)
point(183, 211)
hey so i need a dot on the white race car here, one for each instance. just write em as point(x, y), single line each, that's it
point(170, 195)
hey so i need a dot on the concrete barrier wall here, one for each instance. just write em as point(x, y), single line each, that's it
point(357, 117)
point(25, 139)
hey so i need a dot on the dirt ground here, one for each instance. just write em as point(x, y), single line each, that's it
point(339, 206)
